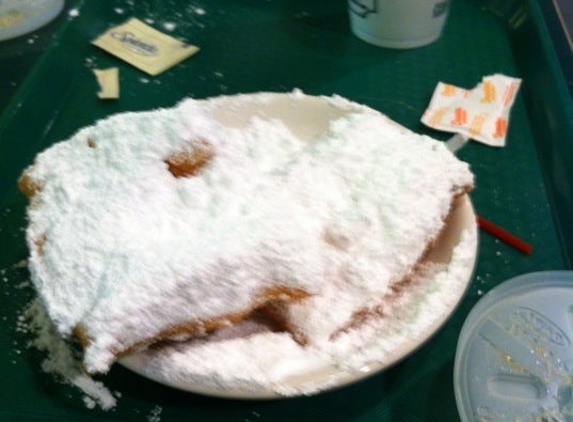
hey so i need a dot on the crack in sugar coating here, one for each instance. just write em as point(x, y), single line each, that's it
point(202, 328)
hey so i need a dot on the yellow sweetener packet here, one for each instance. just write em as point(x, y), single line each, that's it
point(144, 47)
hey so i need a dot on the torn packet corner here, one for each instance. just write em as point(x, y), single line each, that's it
point(108, 81)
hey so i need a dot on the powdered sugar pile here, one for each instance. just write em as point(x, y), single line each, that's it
point(250, 361)
point(60, 357)
point(123, 249)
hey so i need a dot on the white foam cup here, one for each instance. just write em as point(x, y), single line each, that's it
point(398, 23)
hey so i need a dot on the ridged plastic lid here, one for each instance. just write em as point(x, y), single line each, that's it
point(18, 17)
point(514, 359)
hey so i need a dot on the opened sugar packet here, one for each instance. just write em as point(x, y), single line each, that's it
point(481, 113)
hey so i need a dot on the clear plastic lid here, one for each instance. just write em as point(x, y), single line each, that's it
point(19, 17)
point(514, 359)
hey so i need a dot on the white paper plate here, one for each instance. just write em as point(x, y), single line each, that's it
point(308, 117)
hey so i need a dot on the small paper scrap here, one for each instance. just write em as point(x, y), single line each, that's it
point(108, 80)
point(144, 47)
point(481, 114)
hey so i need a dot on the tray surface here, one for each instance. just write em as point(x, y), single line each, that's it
point(280, 45)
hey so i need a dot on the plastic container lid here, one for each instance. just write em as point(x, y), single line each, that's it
point(18, 17)
point(514, 359)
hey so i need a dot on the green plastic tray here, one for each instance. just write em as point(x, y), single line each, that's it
point(279, 45)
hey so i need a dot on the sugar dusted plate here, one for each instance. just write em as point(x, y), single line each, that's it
point(252, 361)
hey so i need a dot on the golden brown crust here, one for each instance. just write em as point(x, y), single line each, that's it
point(189, 163)
point(199, 328)
point(27, 186)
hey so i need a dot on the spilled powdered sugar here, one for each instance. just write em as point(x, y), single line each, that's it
point(60, 359)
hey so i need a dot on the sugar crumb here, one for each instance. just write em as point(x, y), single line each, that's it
point(21, 264)
point(155, 414)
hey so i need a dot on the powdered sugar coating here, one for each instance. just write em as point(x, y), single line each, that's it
point(393, 192)
point(246, 361)
point(124, 249)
